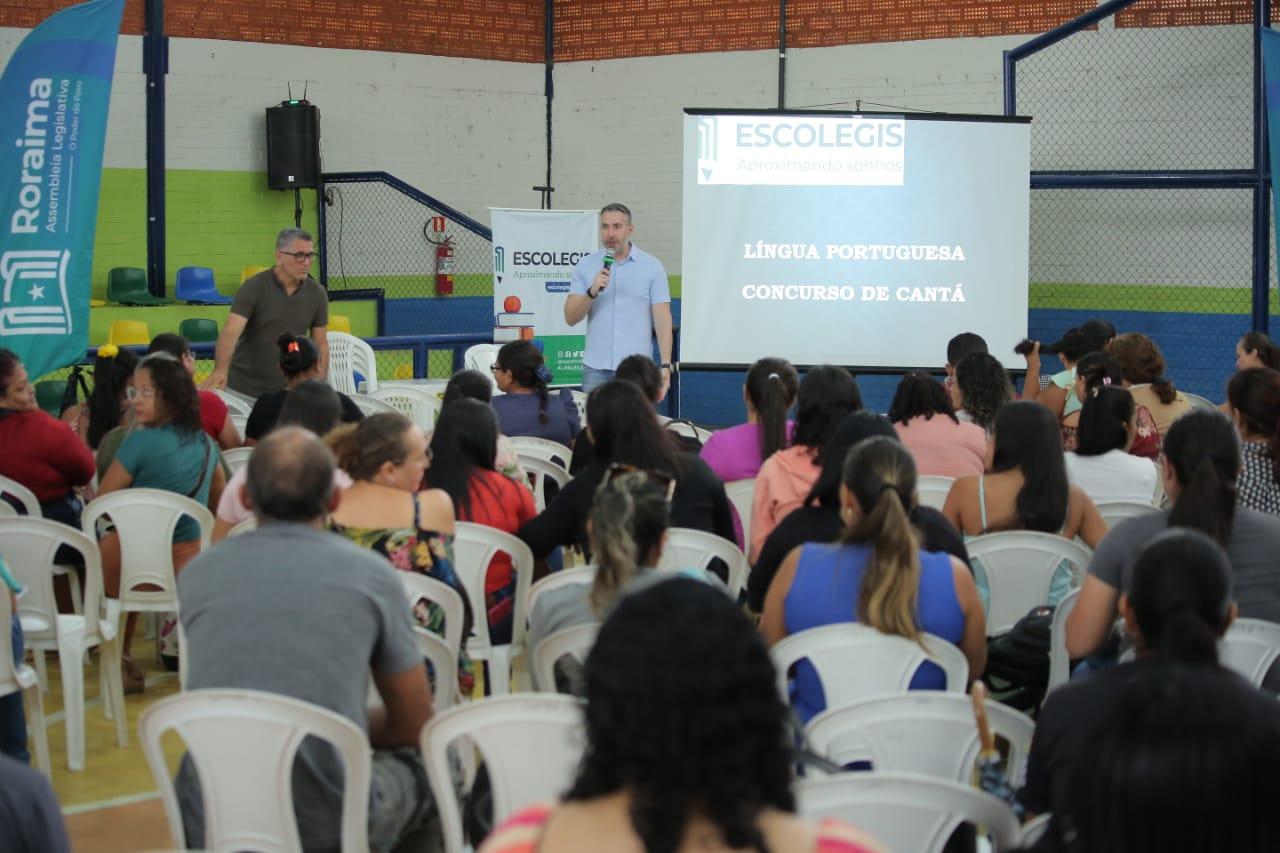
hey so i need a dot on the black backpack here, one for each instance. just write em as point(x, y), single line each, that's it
point(1018, 661)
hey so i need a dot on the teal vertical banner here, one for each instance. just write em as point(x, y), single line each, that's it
point(54, 95)
point(1271, 80)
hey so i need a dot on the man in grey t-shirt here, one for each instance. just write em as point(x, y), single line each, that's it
point(282, 300)
point(295, 610)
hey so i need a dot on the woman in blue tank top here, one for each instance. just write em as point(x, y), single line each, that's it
point(876, 575)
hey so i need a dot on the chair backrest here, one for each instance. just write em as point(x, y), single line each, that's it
point(580, 400)
point(932, 490)
point(29, 546)
point(856, 662)
point(447, 598)
point(196, 284)
point(1198, 402)
point(541, 470)
point(444, 667)
point(7, 510)
point(236, 403)
point(481, 358)
point(125, 282)
point(577, 576)
point(417, 404)
point(905, 811)
point(372, 405)
point(237, 457)
point(1250, 647)
point(240, 421)
point(145, 520)
point(695, 549)
point(349, 355)
point(26, 498)
point(531, 744)
point(741, 494)
point(1059, 659)
point(923, 731)
point(199, 330)
point(530, 446)
point(250, 523)
point(1033, 830)
point(9, 680)
point(1019, 566)
point(474, 546)
point(242, 744)
point(1114, 512)
point(575, 642)
point(339, 323)
point(688, 430)
point(127, 332)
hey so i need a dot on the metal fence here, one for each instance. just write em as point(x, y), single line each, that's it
point(1149, 202)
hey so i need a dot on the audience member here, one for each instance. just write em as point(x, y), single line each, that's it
point(1143, 367)
point(1182, 764)
point(1026, 489)
point(736, 453)
point(960, 346)
point(941, 445)
point(1177, 609)
point(1253, 397)
point(1074, 345)
point(710, 771)
point(1099, 370)
point(979, 387)
point(214, 418)
point(626, 432)
point(40, 452)
point(299, 362)
point(284, 300)
point(819, 519)
point(312, 405)
point(462, 450)
point(876, 575)
point(640, 371)
point(526, 406)
point(170, 451)
point(293, 610)
point(1255, 349)
point(1200, 466)
point(1101, 464)
point(825, 396)
point(107, 406)
point(30, 817)
point(474, 385)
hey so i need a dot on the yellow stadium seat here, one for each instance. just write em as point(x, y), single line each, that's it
point(403, 371)
point(128, 332)
point(340, 323)
point(97, 303)
point(245, 272)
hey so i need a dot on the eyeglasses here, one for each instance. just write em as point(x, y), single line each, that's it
point(661, 479)
point(494, 368)
point(145, 393)
point(300, 256)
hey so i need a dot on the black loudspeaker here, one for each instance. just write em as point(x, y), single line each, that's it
point(293, 146)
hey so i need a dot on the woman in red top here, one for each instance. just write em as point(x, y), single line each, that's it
point(38, 450)
point(463, 450)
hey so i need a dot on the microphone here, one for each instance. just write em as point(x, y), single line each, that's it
point(608, 259)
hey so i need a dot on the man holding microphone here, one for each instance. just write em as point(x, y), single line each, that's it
point(623, 293)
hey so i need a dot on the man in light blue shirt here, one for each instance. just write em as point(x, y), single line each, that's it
point(626, 306)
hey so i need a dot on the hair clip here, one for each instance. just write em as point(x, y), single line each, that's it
point(775, 376)
point(108, 351)
point(292, 347)
point(1106, 380)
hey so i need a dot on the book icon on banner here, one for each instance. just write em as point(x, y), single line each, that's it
point(512, 324)
point(35, 293)
point(708, 150)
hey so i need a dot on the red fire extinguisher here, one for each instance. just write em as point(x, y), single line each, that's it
point(443, 255)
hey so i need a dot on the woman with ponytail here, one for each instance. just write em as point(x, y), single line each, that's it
point(1099, 370)
point(1101, 464)
point(299, 362)
point(1253, 400)
point(1143, 366)
point(108, 405)
point(1255, 349)
point(738, 452)
point(1177, 608)
point(526, 406)
point(1075, 344)
point(876, 575)
point(1200, 466)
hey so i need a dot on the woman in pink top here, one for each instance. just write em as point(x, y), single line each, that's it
point(826, 395)
point(737, 453)
point(940, 443)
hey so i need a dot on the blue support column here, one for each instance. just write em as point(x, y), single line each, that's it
point(155, 64)
point(1261, 196)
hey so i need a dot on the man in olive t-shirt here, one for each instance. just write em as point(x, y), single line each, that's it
point(278, 301)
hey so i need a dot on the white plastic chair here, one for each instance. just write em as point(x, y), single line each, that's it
point(448, 599)
point(1250, 647)
point(243, 527)
point(575, 642)
point(481, 358)
point(31, 507)
point(22, 679)
point(1114, 512)
point(417, 404)
point(237, 404)
point(922, 731)
point(688, 430)
point(695, 549)
point(932, 490)
point(444, 663)
point(372, 405)
point(905, 811)
point(856, 662)
point(145, 520)
point(741, 494)
point(347, 355)
point(242, 744)
point(1033, 830)
point(241, 421)
point(531, 745)
point(578, 575)
point(1019, 566)
point(1198, 402)
point(1059, 658)
point(7, 511)
point(531, 446)
point(580, 400)
point(237, 457)
point(474, 546)
point(541, 471)
point(28, 546)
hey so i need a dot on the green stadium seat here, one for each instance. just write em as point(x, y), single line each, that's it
point(199, 330)
point(128, 286)
point(49, 394)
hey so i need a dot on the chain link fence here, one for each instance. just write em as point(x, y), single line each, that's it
point(1176, 263)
